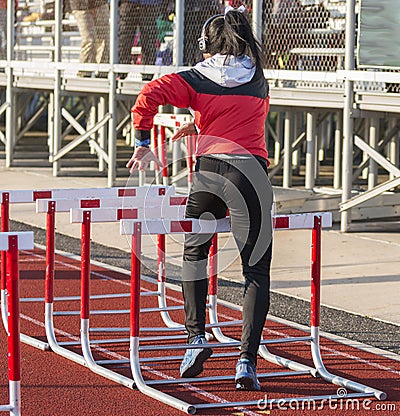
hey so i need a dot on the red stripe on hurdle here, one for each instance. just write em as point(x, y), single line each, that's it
point(179, 226)
point(162, 191)
point(178, 200)
point(42, 195)
point(282, 222)
point(127, 214)
point(126, 192)
point(90, 203)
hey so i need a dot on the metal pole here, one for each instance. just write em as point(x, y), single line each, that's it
point(179, 33)
point(373, 142)
point(57, 120)
point(278, 130)
point(310, 151)
point(394, 147)
point(101, 111)
point(50, 125)
point(112, 104)
point(287, 157)
point(365, 157)
point(348, 123)
point(338, 151)
point(257, 19)
point(296, 153)
point(10, 94)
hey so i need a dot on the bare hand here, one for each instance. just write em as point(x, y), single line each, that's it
point(141, 159)
point(186, 130)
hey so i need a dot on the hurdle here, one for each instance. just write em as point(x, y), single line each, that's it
point(10, 244)
point(149, 201)
point(170, 206)
point(90, 197)
point(126, 205)
point(162, 121)
point(300, 221)
point(111, 214)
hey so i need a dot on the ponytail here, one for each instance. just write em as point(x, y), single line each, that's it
point(232, 35)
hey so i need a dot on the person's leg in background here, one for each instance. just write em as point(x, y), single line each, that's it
point(86, 25)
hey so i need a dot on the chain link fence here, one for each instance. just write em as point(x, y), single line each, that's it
point(301, 35)
point(304, 34)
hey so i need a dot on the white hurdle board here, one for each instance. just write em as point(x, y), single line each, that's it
point(27, 196)
point(25, 240)
point(117, 214)
point(127, 202)
point(178, 226)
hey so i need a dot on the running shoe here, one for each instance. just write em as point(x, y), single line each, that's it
point(246, 376)
point(192, 363)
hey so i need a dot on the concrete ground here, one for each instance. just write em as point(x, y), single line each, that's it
point(360, 271)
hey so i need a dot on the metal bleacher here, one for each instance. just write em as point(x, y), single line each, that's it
point(308, 76)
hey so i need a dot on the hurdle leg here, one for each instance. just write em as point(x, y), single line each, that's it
point(85, 310)
point(49, 289)
point(155, 148)
point(164, 156)
point(315, 321)
point(161, 280)
point(212, 293)
point(5, 225)
point(14, 353)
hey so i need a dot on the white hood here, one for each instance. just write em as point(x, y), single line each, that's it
point(235, 72)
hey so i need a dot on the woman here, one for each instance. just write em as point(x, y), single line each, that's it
point(229, 95)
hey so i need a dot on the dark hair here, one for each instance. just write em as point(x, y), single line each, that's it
point(232, 35)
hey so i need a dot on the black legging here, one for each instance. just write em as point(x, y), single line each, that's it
point(241, 185)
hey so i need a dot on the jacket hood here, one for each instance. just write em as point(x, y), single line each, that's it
point(235, 72)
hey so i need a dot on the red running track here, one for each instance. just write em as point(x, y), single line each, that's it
point(52, 385)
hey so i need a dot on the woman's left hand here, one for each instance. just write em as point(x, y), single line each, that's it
point(141, 159)
point(187, 129)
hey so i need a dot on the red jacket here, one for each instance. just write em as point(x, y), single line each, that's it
point(229, 113)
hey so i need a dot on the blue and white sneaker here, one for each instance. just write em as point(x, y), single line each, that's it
point(192, 363)
point(246, 376)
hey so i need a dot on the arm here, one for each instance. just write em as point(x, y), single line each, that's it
point(169, 89)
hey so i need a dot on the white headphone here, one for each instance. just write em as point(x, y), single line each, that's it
point(203, 39)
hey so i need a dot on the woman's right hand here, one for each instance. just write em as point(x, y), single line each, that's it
point(187, 129)
point(141, 159)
